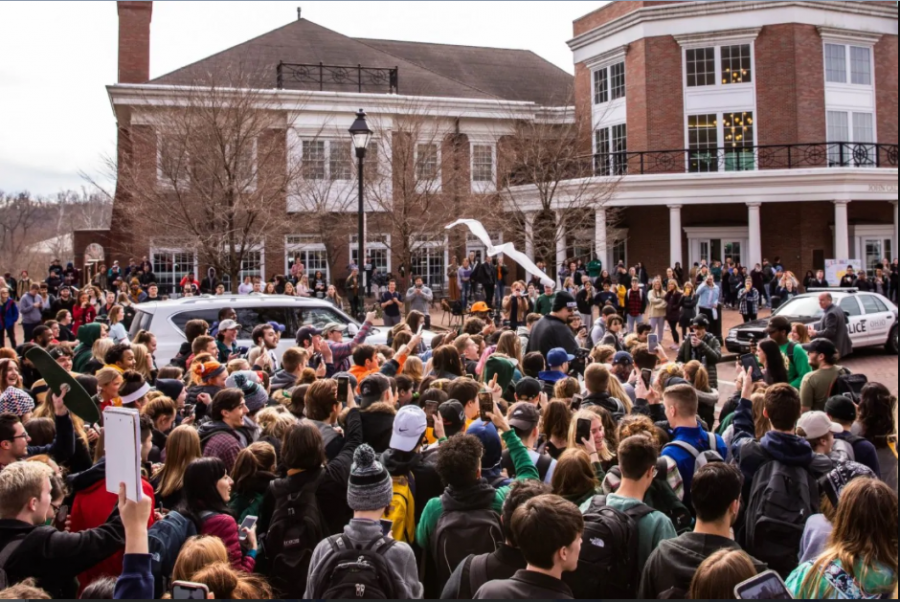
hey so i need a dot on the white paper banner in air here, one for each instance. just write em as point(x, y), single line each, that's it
point(507, 249)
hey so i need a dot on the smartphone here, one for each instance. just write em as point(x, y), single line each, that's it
point(421, 328)
point(430, 409)
point(386, 527)
point(486, 405)
point(647, 377)
point(242, 351)
point(653, 342)
point(749, 361)
point(765, 586)
point(582, 430)
point(577, 400)
point(343, 389)
point(59, 520)
point(248, 523)
point(185, 590)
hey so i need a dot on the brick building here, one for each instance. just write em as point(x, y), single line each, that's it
point(740, 129)
point(469, 97)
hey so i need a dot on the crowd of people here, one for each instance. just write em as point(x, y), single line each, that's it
point(551, 447)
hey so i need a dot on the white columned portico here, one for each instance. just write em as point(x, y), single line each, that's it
point(560, 244)
point(676, 252)
point(841, 230)
point(754, 223)
point(600, 237)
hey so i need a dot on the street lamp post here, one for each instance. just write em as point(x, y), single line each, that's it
point(361, 134)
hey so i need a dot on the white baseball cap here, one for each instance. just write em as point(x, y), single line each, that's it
point(409, 426)
point(817, 424)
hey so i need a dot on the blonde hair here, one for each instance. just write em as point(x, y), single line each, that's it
point(182, 448)
point(239, 365)
point(275, 421)
point(100, 349)
point(20, 483)
point(696, 374)
point(615, 389)
point(115, 315)
point(198, 551)
point(605, 453)
point(414, 369)
point(158, 407)
point(225, 583)
point(24, 590)
point(141, 361)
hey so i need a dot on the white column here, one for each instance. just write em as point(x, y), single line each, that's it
point(755, 226)
point(600, 237)
point(841, 231)
point(560, 244)
point(895, 250)
point(676, 252)
point(529, 235)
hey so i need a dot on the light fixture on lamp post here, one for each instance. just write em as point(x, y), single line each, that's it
point(361, 134)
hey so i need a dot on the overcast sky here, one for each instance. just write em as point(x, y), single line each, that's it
point(57, 57)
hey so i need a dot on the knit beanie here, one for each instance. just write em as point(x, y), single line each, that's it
point(171, 388)
point(207, 371)
point(16, 401)
point(254, 395)
point(370, 487)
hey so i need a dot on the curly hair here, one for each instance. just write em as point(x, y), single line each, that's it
point(459, 461)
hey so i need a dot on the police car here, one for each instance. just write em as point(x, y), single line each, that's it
point(872, 320)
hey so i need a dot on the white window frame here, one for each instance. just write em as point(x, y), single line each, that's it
point(483, 186)
point(431, 246)
point(258, 248)
point(161, 178)
point(295, 247)
point(164, 250)
point(374, 242)
point(721, 142)
point(428, 184)
point(860, 234)
point(717, 61)
point(852, 137)
point(613, 166)
point(329, 149)
point(604, 72)
point(848, 63)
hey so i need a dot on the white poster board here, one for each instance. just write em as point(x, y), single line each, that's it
point(835, 269)
point(122, 436)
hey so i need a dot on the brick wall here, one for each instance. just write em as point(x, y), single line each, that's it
point(134, 41)
point(810, 93)
point(886, 89)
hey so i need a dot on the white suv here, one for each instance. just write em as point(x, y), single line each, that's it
point(167, 319)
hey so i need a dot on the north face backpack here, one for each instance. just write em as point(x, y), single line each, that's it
point(608, 564)
point(297, 528)
point(849, 385)
point(356, 573)
point(402, 510)
point(463, 533)
point(782, 498)
point(703, 458)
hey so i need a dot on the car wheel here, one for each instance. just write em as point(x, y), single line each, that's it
point(892, 341)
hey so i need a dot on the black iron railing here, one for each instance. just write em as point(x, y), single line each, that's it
point(338, 78)
point(747, 158)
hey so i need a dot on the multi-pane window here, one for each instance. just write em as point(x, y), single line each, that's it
point(845, 64)
point(339, 161)
point(860, 66)
point(428, 262)
point(736, 66)
point(601, 86)
point(172, 160)
point(739, 137)
point(170, 266)
point(251, 265)
point(326, 160)
point(601, 152)
point(619, 148)
point(703, 140)
point(314, 159)
point(852, 135)
point(426, 162)
point(617, 81)
point(377, 250)
point(482, 163)
point(370, 163)
point(609, 83)
point(701, 67)
point(611, 146)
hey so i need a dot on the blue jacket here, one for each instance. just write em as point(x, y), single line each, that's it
point(708, 297)
point(136, 580)
point(699, 439)
point(9, 314)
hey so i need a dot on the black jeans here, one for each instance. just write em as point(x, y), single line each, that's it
point(489, 294)
point(29, 331)
point(355, 307)
point(673, 325)
point(715, 325)
point(750, 318)
point(11, 334)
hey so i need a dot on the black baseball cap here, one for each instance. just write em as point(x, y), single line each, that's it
point(528, 388)
point(453, 415)
point(701, 322)
point(841, 408)
point(823, 346)
point(564, 300)
point(525, 417)
point(307, 333)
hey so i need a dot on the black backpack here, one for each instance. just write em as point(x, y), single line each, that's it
point(5, 555)
point(297, 528)
point(356, 573)
point(849, 385)
point(474, 576)
point(463, 533)
point(543, 464)
point(608, 565)
point(782, 498)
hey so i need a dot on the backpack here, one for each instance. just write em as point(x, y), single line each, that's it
point(543, 464)
point(166, 538)
point(703, 458)
point(353, 572)
point(849, 385)
point(843, 451)
point(782, 498)
point(474, 576)
point(402, 510)
point(297, 528)
point(463, 533)
point(5, 555)
point(608, 564)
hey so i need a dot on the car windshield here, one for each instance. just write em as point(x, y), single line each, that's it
point(801, 307)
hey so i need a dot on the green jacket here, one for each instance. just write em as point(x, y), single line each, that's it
point(798, 366)
point(544, 304)
point(877, 581)
point(525, 470)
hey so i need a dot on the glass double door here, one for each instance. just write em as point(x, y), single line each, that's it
point(720, 249)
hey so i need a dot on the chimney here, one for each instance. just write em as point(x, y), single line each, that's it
point(134, 41)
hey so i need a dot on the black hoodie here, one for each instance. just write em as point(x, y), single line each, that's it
point(378, 426)
point(428, 483)
point(673, 564)
point(607, 402)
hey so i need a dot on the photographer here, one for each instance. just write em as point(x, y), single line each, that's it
point(553, 331)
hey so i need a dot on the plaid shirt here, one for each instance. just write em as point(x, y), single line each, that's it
point(223, 446)
point(341, 352)
point(635, 303)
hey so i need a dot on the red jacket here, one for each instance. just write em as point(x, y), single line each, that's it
point(82, 317)
point(225, 528)
point(90, 509)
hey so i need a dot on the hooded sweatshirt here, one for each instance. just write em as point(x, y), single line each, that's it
point(400, 558)
point(87, 336)
point(378, 425)
point(283, 380)
point(219, 440)
point(673, 564)
point(428, 482)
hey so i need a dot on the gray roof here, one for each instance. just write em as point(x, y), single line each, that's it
point(424, 69)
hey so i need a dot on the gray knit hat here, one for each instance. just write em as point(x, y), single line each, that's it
point(370, 487)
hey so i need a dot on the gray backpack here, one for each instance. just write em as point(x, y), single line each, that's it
point(701, 458)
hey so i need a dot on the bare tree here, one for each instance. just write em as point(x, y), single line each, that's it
point(22, 223)
point(548, 156)
point(210, 169)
